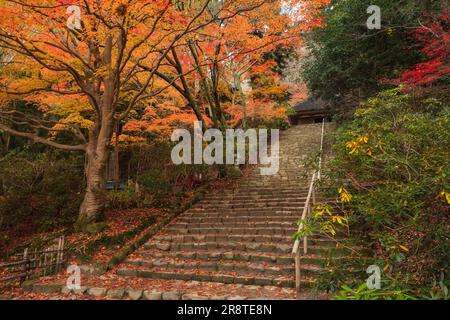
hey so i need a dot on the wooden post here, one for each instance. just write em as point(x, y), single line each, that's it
point(45, 262)
point(25, 267)
point(305, 245)
point(57, 255)
point(319, 175)
point(35, 259)
point(297, 274)
point(62, 250)
point(53, 263)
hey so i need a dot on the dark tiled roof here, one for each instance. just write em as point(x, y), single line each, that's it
point(312, 105)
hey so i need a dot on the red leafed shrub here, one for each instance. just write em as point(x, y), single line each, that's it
point(434, 41)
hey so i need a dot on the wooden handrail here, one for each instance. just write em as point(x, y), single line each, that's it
point(305, 214)
point(319, 173)
point(307, 210)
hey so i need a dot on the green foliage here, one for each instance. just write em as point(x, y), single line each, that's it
point(230, 172)
point(39, 192)
point(393, 159)
point(281, 124)
point(124, 199)
point(160, 183)
point(393, 290)
point(438, 292)
point(40, 186)
point(339, 270)
point(345, 57)
point(363, 293)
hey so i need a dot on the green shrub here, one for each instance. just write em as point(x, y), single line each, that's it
point(161, 183)
point(363, 293)
point(39, 192)
point(124, 199)
point(393, 290)
point(393, 159)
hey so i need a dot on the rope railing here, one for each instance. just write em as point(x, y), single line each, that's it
point(310, 202)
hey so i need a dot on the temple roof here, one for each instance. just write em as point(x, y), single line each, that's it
point(312, 104)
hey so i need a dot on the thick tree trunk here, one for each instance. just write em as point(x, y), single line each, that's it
point(92, 210)
point(93, 207)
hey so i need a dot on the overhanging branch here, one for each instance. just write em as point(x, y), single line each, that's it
point(37, 139)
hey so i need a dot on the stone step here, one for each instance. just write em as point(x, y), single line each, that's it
point(248, 210)
point(204, 276)
point(252, 231)
point(240, 238)
point(255, 205)
point(289, 181)
point(243, 268)
point(235, 219)
point(239, 256)
point(297, 177)
point(248, 224)
point(280, 190)
point(265, 187)
point(299, 202)
point(243, 196)
point(292, 215)
point(245, 211)
point(270, 214)
point(251, 247)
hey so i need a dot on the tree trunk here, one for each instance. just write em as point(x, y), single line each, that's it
point(92, 210)
point(117, 159)
point(93, 207)
point(238, 83)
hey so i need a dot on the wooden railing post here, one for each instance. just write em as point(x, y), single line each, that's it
point(319, 174)
point(60, 254)
point(58, 251)
point(297, 273)
point(62, 249)
point(26, 266)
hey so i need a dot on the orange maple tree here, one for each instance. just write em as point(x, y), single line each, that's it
point(217, 62)
point(87, 65)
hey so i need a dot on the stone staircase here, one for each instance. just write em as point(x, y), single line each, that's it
point(241, 236)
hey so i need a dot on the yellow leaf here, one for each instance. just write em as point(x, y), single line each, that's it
point(319, 213)
point(404, 248)
point(445, 196)
point(345, 196)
